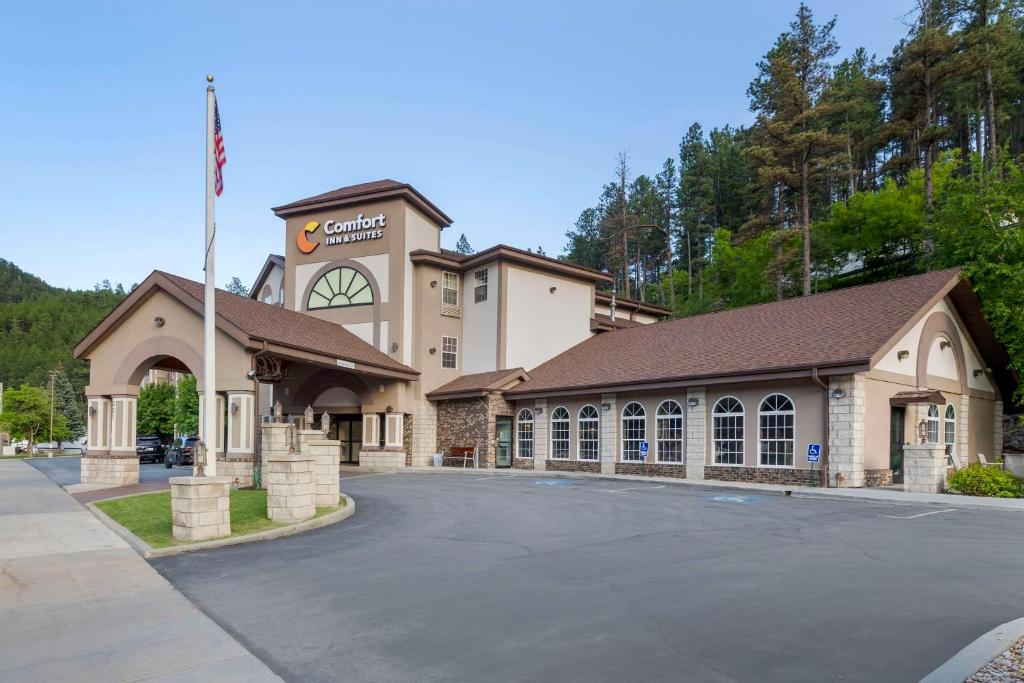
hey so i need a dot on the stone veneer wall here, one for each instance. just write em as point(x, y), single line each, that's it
point(696, 432)
point(388, 459)
point(110, 469)
point(469, 423)
point(407, 438)
point(651, 469)
point(846, 430)
point(422, 443)
point(881, 477)
point(522, 463)
point(573, 466)
point(236, 469)
point(764, 475)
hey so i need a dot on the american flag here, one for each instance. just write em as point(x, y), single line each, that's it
point(219, 157)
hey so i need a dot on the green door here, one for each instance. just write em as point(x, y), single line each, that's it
point(503, 442)
point(896, 415)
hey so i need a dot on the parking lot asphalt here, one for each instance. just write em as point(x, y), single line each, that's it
point(527, 578)
point(68, 470)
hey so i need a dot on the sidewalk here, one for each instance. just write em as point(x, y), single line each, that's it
point(78, 604)
point(869, 494)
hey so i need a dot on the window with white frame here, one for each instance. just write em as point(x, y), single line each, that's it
point(634, 431)
point(449, 289)
point(480, 286)
point(524, 434)
point(933, 423)
point(560, 433)
point(588, 433)
point(776, 431)
point(449, 352)
point(727, 431)
point(949, 429)
point(669, 430)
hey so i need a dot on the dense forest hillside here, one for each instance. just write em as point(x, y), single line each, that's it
point(40, 325)
point(857, 168)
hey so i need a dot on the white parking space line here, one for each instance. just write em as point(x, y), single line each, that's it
point(923, 514)
point(496, 476)
point(631, 488)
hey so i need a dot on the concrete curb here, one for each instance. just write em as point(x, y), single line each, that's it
point(979, 653)
point(147, 551)
point(863, 495)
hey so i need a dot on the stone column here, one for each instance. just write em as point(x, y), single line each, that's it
point(540, 434)
point(290, 488)
point(98, 426)
point(609, 432)
point(122, 430)
point(963, 455)
point(696, 432)
point(200, 508)
point(326, 478)
point(119, 465)
point(424, 433)
point(924, 468)
point(846, 430)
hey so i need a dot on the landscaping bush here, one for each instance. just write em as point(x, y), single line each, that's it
point(978, 480)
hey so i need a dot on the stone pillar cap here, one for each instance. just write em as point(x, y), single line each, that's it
point(198, 481)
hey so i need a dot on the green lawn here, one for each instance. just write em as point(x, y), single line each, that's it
point(148, 515)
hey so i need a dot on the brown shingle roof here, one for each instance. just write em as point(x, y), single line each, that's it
point(290, 328)
point(478, 382)
point(603, 322)
point(844, 327)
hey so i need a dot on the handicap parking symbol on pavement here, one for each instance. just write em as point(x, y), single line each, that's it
point(735, 499)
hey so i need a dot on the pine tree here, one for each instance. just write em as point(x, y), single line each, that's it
point(236, 286)
point(68, 403)
point(463, 245)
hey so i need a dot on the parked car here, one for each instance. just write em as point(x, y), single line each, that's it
point(183, 453)
point(150, 449)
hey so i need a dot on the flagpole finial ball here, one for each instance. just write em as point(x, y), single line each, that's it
point(209, 78)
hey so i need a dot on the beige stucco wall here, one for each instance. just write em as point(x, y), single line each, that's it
point(539, 324)
point(273, 285)
point(807, 399)
point(123, 356)
point(480, 321)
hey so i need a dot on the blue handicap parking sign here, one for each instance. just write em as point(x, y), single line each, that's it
point(644, 447)
point(813, 452)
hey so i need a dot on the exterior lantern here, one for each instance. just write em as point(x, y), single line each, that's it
point(278, 411)
point(309, 417)
point(922, 431)
point(325, 423)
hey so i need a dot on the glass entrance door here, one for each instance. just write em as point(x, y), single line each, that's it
point(503, 442)
point(348, 429)
point(896, 415)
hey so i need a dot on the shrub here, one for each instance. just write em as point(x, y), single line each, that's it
point(978, 480)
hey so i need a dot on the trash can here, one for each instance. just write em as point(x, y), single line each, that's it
point(437, 459)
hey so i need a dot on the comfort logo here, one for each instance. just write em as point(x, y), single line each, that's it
point(305, 246)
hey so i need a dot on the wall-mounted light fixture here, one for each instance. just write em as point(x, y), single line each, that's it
point(389, 409)
point(838, 393)
point(394, 347)
point(606, 407)
point(433, 283)
point(234, 408)
point(944, 344)
point(433, 350)
point(979, 372)
point(540, 410)
point(553, 290)
point(693, 402)
point(903, 355)
point(92, 411)
point(158, 321)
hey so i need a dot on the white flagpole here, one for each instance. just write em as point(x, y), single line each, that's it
point(210, 416)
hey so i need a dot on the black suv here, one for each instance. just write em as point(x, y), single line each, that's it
point(182, 454)
point(149, 449)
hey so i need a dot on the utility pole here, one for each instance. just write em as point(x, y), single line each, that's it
point(53, 377)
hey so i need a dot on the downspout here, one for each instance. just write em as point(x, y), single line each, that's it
point(824, 424)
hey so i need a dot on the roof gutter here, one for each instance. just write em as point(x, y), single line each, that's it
point(824, 425)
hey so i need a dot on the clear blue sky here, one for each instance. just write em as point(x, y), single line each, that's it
point(507, 115)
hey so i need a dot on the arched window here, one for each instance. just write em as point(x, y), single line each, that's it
point(340, 288)
point(949, 431)
point(588, 434)
point(776, 431)
point(634, 431)
point(524, 434)
point(280, 296)
point(267, 295)
point(560, 433)
point(727, 431)
point(669, 430)
point(933, 423)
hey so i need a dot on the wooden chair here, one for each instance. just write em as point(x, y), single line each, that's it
point(985, 463)
point(460, 455)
